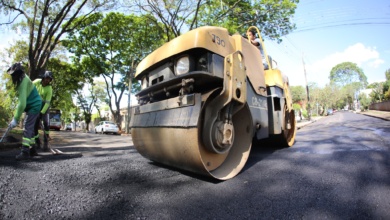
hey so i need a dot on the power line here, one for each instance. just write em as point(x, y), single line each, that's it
point(339, 25)
point(322, 13)
point(358, 19)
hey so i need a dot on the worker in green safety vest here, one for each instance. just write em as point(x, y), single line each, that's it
point(29, 102)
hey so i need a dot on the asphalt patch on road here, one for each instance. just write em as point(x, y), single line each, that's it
point(9, 142)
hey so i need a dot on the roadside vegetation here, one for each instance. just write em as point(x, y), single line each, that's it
point(94, 47)
point(347, 89)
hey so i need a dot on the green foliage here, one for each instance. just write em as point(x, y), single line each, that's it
point(305, 113)
point(298, 93)
point(386, 86)
point(5, 113)
point(387, 95)
point(46, 22)
point(95, 117)
point(365, 101)
point(377, 94)
point(296, 107)
point(349, 78)
point(272, 17)
point(111, 47)
point(327, 97)
point(9, 99)
point(16, 52)
point(387, 74)
point(341, 103)
point(67, 79)
point(86, 102)
point(63, 85)
point(98, 93)
point(348, 73)
point(172, 15)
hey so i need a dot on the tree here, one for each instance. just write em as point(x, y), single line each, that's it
point(328, 97)
point(386, 86)
point(174, 15)
point(364, 101)
point(348, 73)
point(386, 95)
point(46, 22)
point(298, 93)
point(99, 94)
point(349, 76)
point(324, 98)
point(67, 80)
point(271, 16)
point(66, 77)
point(86, 103)
point(5, 110)
point(111, 47)
point(16, 52)
point(377, 94)
point(315, 96)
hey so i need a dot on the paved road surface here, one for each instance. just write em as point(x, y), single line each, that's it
point(338, 169)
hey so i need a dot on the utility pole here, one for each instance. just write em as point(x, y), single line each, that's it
point(307, 91)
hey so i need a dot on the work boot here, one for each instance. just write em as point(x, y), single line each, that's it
point(24, 154)
point(33, 151)
point(45, 147)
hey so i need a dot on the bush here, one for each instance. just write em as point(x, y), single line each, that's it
point(296, 107)
point(304, 113)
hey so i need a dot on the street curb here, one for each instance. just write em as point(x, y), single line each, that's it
point(304, 124)
point(307, 123)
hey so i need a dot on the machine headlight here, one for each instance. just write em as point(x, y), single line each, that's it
point(183, 65)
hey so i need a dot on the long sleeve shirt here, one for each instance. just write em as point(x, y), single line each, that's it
point(46, 93)
point(28, 97)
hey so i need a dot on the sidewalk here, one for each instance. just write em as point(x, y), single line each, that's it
point(385, 115)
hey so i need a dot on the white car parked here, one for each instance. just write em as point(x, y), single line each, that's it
point(104, 127)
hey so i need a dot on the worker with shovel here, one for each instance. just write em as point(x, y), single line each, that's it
point(30, 102)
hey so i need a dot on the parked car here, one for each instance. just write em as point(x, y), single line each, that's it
point(329, 112)
point(104, 127)
point(68, 127)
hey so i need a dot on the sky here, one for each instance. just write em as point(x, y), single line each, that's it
point(329, 32)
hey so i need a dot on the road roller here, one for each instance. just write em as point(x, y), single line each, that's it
point(205, 99)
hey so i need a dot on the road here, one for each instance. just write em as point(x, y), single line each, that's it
point(339, 168)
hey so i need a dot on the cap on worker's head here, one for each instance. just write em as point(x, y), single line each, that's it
point(15, 68)
point(48, 74)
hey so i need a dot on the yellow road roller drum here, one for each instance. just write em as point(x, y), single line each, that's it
point(205, 99)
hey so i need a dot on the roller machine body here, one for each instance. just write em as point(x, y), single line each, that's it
point(205, 99)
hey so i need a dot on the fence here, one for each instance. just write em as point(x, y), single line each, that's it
point(380, 106)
